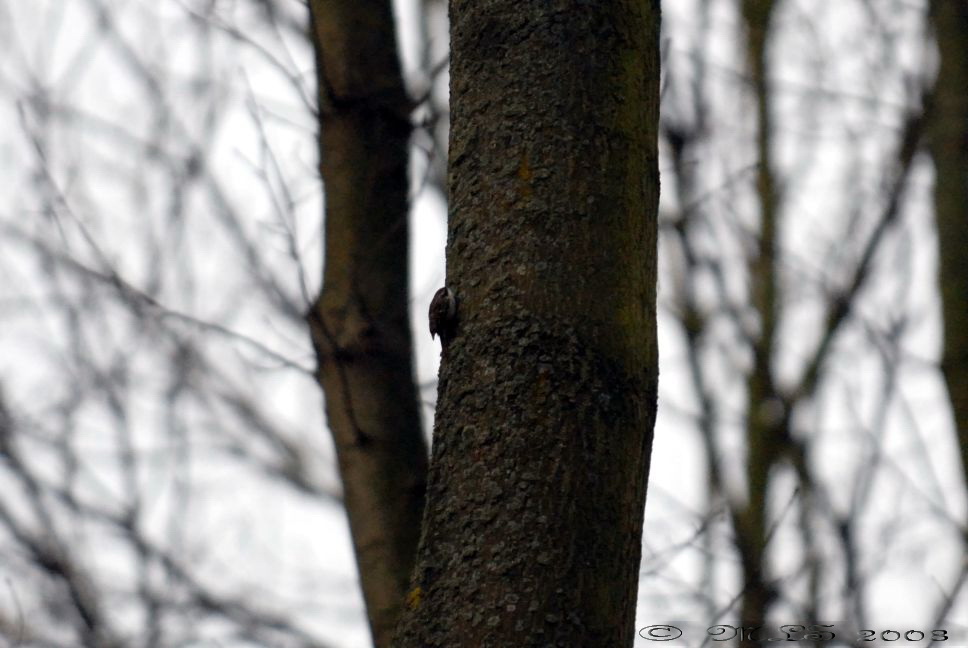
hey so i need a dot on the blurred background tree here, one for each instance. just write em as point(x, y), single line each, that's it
point(166, 473)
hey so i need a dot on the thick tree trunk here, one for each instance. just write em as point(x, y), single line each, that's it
point(547, 394)
point(359, 323)
point(949, 147)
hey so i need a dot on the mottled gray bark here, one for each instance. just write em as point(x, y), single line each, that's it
point(547, 393)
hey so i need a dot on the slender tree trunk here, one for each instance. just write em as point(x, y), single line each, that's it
point(547, 394)
point(766, 419)
point(949, 147)
point(359, 323)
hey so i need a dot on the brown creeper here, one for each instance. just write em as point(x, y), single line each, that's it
point(443, 315)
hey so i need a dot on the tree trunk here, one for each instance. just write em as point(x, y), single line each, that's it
point(949, 147)
point(765, 431)
point(547, 394)
point(359, 323)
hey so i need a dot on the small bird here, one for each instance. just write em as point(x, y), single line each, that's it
point(443, 316)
